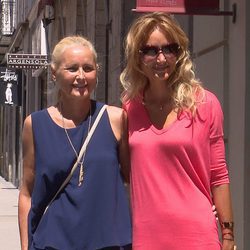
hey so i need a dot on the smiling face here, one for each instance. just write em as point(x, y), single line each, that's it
point(76, 73)
point(158, 57)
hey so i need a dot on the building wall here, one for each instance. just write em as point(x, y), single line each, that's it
point(246, 172)
point(238, 116)
point(115, 50)
point(100, 20)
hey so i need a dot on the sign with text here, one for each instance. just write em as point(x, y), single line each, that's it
point(177, 6)
point(10, 89)
point(27, 61)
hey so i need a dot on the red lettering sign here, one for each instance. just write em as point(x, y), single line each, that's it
point(177, 6)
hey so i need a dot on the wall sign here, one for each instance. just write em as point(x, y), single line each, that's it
point(10, 89)
point(27, 61)
point(177, 6)
point(188, 7)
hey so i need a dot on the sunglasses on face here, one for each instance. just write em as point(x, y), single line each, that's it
point(151, 52)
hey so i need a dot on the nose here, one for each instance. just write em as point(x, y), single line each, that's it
point(161, 57)
point(80, 73)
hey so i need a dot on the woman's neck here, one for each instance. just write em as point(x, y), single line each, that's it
point(74, 110)
point(158, 94)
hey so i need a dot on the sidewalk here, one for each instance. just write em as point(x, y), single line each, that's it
point(9, 234)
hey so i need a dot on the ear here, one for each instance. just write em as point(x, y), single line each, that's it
point(53, 73)
point(98, 67)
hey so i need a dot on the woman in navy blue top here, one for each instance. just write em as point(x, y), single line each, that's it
point(92, 210)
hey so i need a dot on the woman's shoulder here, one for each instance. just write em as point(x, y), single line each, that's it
point(27, 122)
point(43, 117)
point(40, 112)
point(115, 113)
point(212, 102)
point(210, 96)
point(210, 105)
point(33, 115)
point(111, 109)
point(118, 120)
point(133, 104)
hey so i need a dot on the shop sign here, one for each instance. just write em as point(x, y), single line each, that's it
point(177, 6)
point(27, 61)
point(10, 89)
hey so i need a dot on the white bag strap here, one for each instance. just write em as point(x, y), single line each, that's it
point(83, 148)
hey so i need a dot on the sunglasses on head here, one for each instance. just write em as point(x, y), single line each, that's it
point(167, 50)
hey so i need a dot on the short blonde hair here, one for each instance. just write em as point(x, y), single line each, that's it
point(60, 47)
point(182, 81)
point(68, 42)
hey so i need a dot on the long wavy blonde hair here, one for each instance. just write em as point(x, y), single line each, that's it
point(185, 87)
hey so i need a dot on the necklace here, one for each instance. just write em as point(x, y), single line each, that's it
point(160, 108)
point(163, 105)
point(80, 163)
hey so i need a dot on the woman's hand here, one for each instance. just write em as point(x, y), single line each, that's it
point(228, 245)
point(215, 212)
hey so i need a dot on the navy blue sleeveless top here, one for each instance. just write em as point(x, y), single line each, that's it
point(92, 216)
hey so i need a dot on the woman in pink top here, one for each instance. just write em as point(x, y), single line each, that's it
point(176, 140)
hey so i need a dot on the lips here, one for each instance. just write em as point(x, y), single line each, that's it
point(79, 86)
point(160, 68)
point(161, 71)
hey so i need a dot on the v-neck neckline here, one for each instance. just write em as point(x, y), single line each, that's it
point(152, 126)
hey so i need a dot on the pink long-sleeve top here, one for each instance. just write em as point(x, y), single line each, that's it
point(173, 170)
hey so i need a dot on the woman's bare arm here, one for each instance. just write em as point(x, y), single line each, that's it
point(24, 202)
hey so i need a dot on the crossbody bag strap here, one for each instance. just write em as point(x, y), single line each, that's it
point(83, 148)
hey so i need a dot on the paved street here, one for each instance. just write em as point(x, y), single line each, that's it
point(9, 235)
